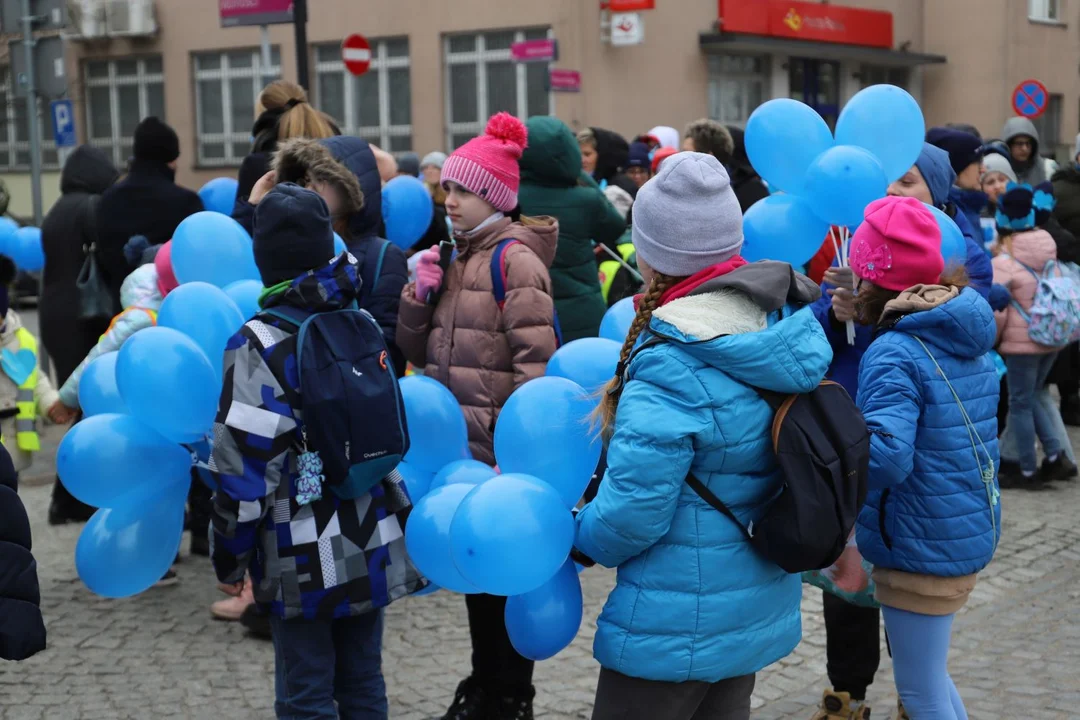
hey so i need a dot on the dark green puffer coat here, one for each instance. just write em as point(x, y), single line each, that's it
point(551, 184)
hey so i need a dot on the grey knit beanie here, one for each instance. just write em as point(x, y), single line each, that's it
point(435, 159)
point(687, 217)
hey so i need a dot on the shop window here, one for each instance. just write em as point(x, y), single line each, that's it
point(1045, 10)
point(737, 85)
point(376, 106)
point(883, 75)
point(226, 87)
point(482, 79)
point(119, 94)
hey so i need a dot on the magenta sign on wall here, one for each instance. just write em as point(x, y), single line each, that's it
point(235, 13)
point(564, 80)
point(543, 50)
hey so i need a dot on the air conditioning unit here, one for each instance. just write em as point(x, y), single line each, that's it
point(87, 18)
point(130, 17)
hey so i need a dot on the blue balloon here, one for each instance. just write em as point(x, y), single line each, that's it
point(417, 482)
point(339, 245)
point(123, 551)
point(617, 321)
point(543, 622)
point(841, 182)
point(168, 383)
point(26, 250)
point(463, 472)
point(205, 314)
point(510, 535)
point(213, 248)
point(427, 537)
point(783, 137)
point(246, 294)
point(887, 121)
point(546, 430)
point(407, 208)
point(219, 195)
point(782, 227)
point(590, 362)
point(953, 243)
point(98, 392)
point(106, 457)
point(8, 228)
point(437, 432)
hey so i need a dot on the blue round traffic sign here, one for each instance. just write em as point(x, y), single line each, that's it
point(1030, 99)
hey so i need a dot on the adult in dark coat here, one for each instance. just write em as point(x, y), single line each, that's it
point(747, 184)
point(147, 202)
point(22, 629)
point(69, 227)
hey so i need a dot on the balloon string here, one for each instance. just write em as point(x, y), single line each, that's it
point(845, 247)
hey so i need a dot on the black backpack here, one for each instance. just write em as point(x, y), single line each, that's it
point(823, 449)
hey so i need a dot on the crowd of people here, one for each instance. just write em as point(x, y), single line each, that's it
point(577, 222)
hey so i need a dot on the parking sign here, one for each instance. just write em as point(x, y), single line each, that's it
point(63, 123)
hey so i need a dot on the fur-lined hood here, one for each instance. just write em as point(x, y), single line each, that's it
point(304, 161)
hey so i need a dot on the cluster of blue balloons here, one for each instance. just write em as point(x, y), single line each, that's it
point(825, 180)
point(617, 321)
point(22, 245)
point(407, 209)
point(458, 533)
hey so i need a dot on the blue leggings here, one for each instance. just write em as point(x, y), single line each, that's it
point(920, 651)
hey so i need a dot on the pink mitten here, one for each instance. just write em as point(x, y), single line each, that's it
point(429, 275)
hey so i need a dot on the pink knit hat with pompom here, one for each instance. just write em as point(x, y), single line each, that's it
point(488, 165)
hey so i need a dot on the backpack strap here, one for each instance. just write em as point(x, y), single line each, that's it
point(379, 262)
point(710, 497)
point(287, 314)
point(498, 270)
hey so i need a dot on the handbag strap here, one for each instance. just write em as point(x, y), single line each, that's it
point(91, 224)
point(710, 497)
point(988, 472)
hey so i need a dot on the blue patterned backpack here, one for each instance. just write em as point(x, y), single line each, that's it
point(1054, 318)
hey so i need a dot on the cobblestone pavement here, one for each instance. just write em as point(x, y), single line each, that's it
point(1016, 646)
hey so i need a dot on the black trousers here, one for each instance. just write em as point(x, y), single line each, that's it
point(852, 645)
point(620, 697)
point(1066, 372)
point(496, 664)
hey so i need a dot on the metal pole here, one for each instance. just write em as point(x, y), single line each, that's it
point(266, 60)
point(32, 111)
point(300, 25)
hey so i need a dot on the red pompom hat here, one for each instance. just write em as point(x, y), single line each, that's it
point(488, 165)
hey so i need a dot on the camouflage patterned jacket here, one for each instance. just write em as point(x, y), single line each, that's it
point(329, 559)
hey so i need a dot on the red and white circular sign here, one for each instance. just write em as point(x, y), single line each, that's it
point(356, 53)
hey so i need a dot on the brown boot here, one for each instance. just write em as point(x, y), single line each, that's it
point(840, 706)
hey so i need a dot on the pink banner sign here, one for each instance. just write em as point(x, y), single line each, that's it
point(564, 80)
point(235, 13)
point(545, 50)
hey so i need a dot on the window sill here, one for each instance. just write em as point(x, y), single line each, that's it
point(1048, 23)
point(228, 166)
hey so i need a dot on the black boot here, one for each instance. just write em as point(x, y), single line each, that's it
point(1061, 469)
point(256, 622)
point(515, 707)
point(64, 508)
point(1011, 477)
point(471, 702)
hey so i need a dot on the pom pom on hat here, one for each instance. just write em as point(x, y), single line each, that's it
point(504, 126)
point(488, 165)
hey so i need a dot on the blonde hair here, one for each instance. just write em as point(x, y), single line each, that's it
point(609, 403)
point(438, 192)
point(587, 137)
point(299, 119)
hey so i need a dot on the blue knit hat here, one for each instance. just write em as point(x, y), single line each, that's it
point(292, 234)
point(639, 156)
point(937, 171)
point(1016, 208)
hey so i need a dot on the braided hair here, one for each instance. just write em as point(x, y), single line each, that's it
point(609, 403)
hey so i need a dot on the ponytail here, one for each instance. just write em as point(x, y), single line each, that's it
point(296, 118)
point(609, 403)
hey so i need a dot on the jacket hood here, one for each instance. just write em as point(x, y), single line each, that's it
point(748, 324)
point(332, 287)
point(140, 289)
point(1069, 174)
point(541, 236)
point(553, 157)
point(1033, 248)
point(613, 152)
point(356, 155)
point(962, 325)
point(89, 170)
point(1017, 126)
point(340, 163)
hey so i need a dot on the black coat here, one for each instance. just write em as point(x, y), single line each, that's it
point(65, 232)
point(745, 181)
point(146, 202)
point(22, 629)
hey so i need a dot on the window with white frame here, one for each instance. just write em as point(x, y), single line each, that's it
point(15, 130)
point(227, 84)
point(482, 79)
point(1044, 10)
point(119, 94)
point(737, 85)
point(377, 105)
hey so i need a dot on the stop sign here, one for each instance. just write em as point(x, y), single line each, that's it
point(356, 54)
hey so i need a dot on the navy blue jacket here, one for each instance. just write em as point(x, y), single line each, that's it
point(22, 630)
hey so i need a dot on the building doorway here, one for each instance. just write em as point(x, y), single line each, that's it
point(816, 83)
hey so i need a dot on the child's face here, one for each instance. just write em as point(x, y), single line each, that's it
point(994, 185)
point(913, 185)
point(588, 158)
point(466, 210)
point(331, 195)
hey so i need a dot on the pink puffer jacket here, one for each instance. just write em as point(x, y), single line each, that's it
point(467, 343)
point(1034, 249)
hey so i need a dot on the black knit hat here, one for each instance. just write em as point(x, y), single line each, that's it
point(292, 234)
point(963, 147)
point(155, 141)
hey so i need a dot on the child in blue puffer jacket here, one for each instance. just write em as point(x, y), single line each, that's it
point(929, 393)
point(696, 612)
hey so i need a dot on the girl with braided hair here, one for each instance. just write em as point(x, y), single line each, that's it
point(696, 612)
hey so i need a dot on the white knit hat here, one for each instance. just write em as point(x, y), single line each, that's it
point(993, 162)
